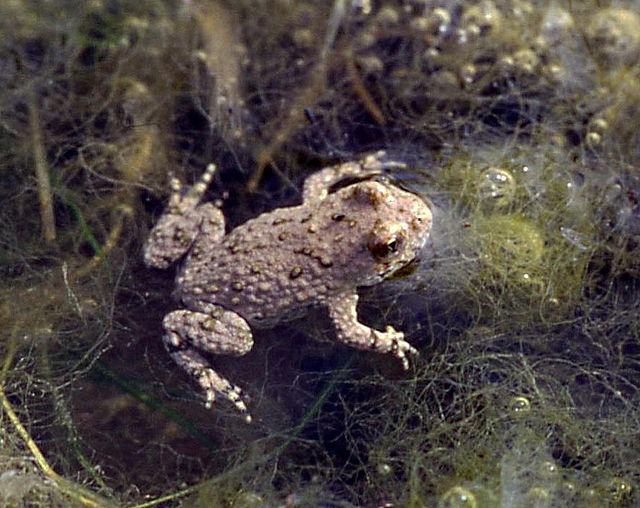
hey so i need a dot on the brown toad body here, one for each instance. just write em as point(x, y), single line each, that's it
point(315, 253)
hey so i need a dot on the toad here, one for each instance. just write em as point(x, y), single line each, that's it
point(316, 253)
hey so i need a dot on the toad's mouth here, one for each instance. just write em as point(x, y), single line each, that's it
point(404, 270)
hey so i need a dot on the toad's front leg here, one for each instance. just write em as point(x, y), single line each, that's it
point(343, 313)
point(216, 331)
point(183, 221)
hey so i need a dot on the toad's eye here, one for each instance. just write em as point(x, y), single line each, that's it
point(386, 248)
point(386, 240)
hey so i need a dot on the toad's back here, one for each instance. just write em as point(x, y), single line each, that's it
point(292, 257)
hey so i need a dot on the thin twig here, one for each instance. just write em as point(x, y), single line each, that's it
point(363, 94)
point(42, 169)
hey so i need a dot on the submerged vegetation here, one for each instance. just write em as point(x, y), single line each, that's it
point(517, 119)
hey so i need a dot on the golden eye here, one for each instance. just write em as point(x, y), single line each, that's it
point(385, 248)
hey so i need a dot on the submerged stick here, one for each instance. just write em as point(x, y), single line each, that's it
point(42, 170)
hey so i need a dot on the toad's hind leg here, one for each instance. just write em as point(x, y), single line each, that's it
point(220, 332)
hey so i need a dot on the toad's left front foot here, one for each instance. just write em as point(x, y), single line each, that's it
point(392, 341)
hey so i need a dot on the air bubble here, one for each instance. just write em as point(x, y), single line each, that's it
point(520, 405)
point(496, 185)
point(458, 497)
